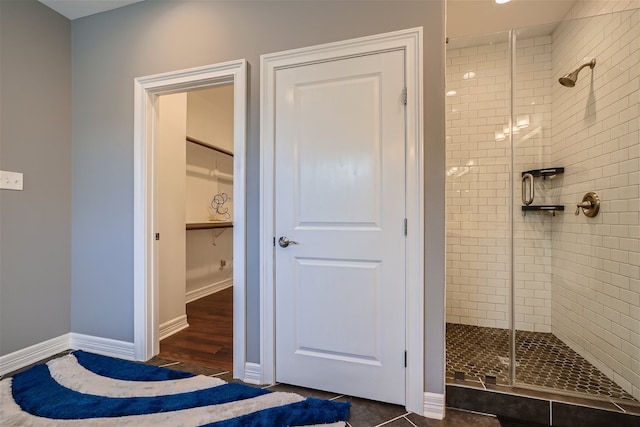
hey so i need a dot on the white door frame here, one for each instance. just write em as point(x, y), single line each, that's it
point(411, 42)
point(147, 89)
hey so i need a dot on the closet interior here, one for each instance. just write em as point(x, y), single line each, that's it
point(194, 213)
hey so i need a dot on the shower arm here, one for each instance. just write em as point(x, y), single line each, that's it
point(589, 64)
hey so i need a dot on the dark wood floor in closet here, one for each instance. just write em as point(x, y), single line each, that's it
point(208, 341)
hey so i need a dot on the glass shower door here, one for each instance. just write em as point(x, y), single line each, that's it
point(478, 209)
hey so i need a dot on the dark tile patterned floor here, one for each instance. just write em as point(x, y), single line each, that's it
point(364, 413)
point(541, 360)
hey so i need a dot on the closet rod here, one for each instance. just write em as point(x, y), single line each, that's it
point(204, 144)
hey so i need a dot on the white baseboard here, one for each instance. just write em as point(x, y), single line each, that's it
point(173, 326)
point(33, 354)
point(434, 405)
point(208, 290)
point(252, 373)
point(103, 346)
point(71, 341)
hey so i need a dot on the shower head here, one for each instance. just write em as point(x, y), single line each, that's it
point(569, 80)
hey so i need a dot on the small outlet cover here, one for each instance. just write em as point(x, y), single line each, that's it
point(11, 180)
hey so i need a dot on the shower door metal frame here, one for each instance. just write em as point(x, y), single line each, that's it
point(512, 309)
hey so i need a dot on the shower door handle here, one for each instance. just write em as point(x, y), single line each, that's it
point(527, 196)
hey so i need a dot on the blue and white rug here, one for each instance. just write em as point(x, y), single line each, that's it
point(84, 389)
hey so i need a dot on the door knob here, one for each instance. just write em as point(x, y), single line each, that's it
point(284, 242)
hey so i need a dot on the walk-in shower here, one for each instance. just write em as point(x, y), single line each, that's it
point(537, 295)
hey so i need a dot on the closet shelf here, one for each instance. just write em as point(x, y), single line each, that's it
point(544, 173)
point(209, 225)
point(207, 145)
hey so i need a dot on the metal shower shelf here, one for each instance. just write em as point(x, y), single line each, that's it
point(544, 173)
point(549, 208)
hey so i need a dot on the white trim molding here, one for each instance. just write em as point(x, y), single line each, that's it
point(71, 341)
point(410, 41)
point(208, 290)
point(103, 346)
point(33, 354)
point(173, 326)
point(146, 90)
point(434, 404)
point(252, 373)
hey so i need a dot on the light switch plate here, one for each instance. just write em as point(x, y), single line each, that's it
point(11, 180)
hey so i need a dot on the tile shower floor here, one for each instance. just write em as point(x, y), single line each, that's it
point(542, 360)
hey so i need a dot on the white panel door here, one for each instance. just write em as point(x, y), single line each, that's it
point(340, 195)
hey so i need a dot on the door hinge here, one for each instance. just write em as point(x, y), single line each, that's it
point(405, 226)
point(157, 236)
point(404, 96)
point(405, 358)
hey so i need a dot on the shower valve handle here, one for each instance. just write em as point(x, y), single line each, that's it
point(590, 204)
point(584, 205)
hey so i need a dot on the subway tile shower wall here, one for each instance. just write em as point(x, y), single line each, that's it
point(533, 87)
point(596, 261)
point(478, 195)
point(574, 276)
point(477, 188)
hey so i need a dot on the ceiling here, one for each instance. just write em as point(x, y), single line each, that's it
point(464, 17)
point(474, 17)
point(74, 9)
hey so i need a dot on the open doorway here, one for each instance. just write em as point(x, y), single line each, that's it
point(147, 239)
point(194, 218)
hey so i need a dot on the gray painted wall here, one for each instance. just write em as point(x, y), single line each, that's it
point(112, 48)
point(35, 139)
point(36, 300)
point(434, 210)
